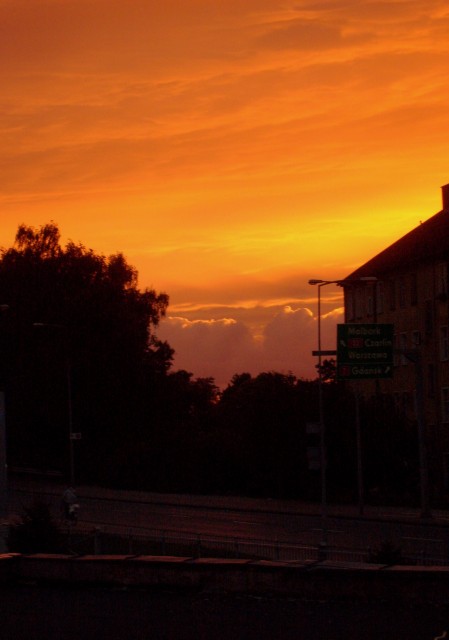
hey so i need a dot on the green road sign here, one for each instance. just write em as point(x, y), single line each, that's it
point(364, 351)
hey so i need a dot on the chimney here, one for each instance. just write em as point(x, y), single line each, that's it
point(445, 191)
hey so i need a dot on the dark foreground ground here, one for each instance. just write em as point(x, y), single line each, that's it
point(61, 613)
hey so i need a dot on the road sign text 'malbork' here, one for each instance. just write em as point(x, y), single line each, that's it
point(364, 351)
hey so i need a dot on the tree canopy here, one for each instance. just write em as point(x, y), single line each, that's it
point(79, 347)
point(73, 311)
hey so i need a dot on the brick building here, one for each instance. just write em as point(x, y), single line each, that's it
point(412, 293)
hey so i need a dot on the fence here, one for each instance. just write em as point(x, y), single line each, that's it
point(110, 539)
point(430, 548)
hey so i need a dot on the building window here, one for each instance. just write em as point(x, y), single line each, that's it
point(395, 351)
point(370, 305)
point(428, 316)
point(405, 401)
point(392, 294)
point(402, 293)
point(380, 295)
point(445, 404)
point(431, 380)
point(444, 346)
point(350, 305)
point(446, 470)
point(403, 347)
point(358, 303)
point(442, 279)
point(413, 289)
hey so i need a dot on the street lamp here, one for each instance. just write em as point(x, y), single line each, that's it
point(72, 435)
point(3, 461)
point(358, 427)
point(319, 284)
point(323, 458)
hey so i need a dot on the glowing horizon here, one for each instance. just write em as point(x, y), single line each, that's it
point(230, 152)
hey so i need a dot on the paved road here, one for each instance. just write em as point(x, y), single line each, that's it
point(246, 519)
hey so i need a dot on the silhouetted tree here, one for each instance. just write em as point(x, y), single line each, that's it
point(94, 324)
point(35, 531)
point(390, 448)
point(145, 426)
point(264, 419)
point(328, 370)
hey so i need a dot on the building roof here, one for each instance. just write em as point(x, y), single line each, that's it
point(427, 242)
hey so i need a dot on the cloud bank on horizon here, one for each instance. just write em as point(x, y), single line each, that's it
point(224, 347)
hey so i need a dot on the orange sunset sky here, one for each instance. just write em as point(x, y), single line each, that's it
point(230, 149)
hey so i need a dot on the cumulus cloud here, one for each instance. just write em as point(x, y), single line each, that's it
point(224, 347)
point(291, 336)
point(211, 348)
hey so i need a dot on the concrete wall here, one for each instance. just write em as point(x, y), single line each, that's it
point(309, 580)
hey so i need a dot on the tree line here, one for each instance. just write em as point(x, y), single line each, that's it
point(80, 352)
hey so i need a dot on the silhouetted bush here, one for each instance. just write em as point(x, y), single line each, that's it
point(388, 553)
point(36, 532)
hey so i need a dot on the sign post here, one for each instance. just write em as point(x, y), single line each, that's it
point(364, 351)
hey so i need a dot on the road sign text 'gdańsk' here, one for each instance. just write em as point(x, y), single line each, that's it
point(364, 351)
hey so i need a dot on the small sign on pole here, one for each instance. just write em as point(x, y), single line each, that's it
point(313, 458)
point(313, 427)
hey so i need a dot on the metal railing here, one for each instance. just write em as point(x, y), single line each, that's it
point(106, 538)
point(110, 539)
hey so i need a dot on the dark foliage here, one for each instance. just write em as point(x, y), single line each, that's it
point(390, 453)
point(78, 333)
point(36, 532)
point(390, 554)
point(79, 344)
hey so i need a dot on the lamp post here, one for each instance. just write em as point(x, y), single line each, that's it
point(323, 458)
point(358, 427)
point(3, 461)
point(416, 357)
point(72, 435)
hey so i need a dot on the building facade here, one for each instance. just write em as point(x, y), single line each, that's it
point(411, 291)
